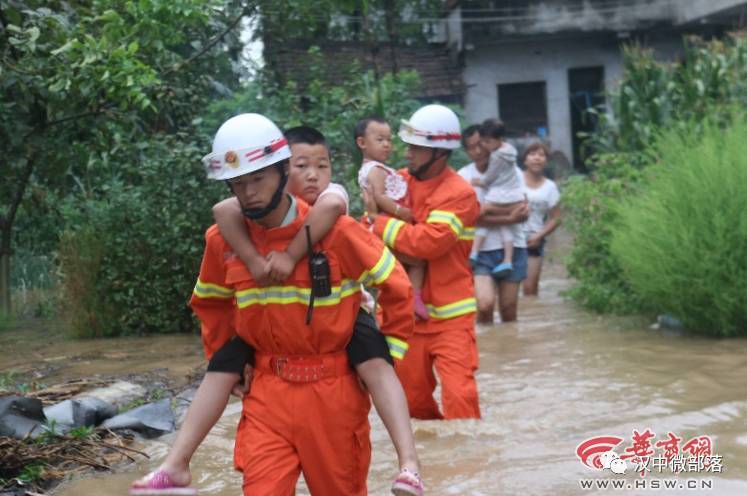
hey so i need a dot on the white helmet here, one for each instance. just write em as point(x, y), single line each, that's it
point(434, 126)
point(243, 144)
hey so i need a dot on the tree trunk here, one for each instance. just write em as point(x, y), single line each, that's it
point(371, 41)
point(6, 226)
point(5, 283)
point(390, 13)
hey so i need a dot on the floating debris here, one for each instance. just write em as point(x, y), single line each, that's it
point(32, 465)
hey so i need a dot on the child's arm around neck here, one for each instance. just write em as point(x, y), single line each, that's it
point(231, 225)
point(321, 218)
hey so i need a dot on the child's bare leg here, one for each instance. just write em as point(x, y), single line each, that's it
point(391, 404)
point(417, 276)
point(507, 241)
point(209, 402)
point(410, 262)
point(508, 252)
point(477, 244)
point(476, 247)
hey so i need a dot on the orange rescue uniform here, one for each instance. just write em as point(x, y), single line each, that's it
point(305, 411)
point(445, 211)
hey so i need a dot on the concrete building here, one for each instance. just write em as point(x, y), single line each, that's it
point(539, 64)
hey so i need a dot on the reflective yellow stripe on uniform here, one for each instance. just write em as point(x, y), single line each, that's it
point(444, 217)
point(461, 307)
point(397, 347)
point(391, 230)
point(286, 295)
point(380, 271)
point(468, 234)
point(209, 290)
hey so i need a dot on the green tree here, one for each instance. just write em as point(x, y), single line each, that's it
point(82, 79)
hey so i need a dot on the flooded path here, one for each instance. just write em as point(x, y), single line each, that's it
point(547, 383)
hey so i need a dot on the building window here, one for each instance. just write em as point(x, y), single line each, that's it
point(523, 108)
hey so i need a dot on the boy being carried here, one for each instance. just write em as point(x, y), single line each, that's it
point(369, 351)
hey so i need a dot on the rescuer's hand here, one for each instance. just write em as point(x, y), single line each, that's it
point(534, 241)
point(405, 214)
point(369, 202)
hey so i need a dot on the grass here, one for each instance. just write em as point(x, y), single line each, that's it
point(7, 321)
point(153, 396)
point(34, 284)
point(81, 432)
point(682, 243)
point(10, 383)
point(35, 291)
point(31, 474)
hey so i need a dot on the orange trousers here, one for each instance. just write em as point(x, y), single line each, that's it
point(320, 428)
point(454, 356)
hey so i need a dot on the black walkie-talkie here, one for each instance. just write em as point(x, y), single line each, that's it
point(319, 273)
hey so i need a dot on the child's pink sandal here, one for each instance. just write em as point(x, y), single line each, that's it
point(160, 483)
point(408, 483)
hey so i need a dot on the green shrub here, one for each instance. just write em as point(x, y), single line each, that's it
point(652, 95)
point(131, 253)
point(81, 254)
point(682, 243)
point(588, 206)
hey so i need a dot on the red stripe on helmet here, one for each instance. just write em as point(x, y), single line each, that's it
point(437, 137)
point(258, 153)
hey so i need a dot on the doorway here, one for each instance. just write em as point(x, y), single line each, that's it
point(586, 86)
point(523, 108)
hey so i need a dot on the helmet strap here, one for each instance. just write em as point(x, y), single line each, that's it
point(422, 169)
point(258, 213)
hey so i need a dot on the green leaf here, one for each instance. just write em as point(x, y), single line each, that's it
point(64, 48)
point(33, 33)
point(13, 15)
point(110, 16)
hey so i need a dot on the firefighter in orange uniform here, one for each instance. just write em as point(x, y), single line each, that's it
point(445, 211)
point(305, 410)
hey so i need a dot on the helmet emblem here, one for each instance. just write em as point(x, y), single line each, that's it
point(232, 160)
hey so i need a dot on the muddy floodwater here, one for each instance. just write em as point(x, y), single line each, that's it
point(556, 378)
